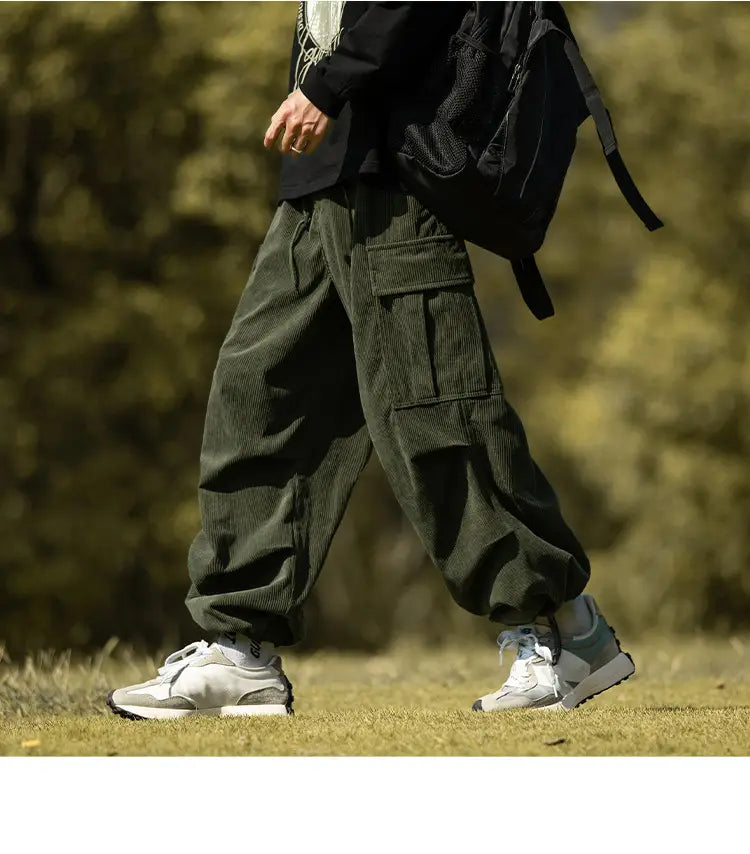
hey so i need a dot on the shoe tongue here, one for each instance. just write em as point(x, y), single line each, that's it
point(526, 645)
point(546, 636)
point(539, 632)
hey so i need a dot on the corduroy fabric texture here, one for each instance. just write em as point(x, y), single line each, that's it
point(359, 327)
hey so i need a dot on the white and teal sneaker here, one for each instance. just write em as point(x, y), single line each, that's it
point(200, 680)
point(554, 672)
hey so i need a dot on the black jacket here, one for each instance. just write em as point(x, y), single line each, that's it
point(350, 59)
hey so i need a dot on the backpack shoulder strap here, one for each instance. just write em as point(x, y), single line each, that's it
point(604, 128)
point(532, 288)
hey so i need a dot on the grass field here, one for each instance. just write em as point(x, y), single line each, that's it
point(687, 698)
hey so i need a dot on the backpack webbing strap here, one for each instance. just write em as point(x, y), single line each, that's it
point(606, 132)
point(630, 191)
point(532, 288)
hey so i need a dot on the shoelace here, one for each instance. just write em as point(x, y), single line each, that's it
point(178, 661)
point(527, 643)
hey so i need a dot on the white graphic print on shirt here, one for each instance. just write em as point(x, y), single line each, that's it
point(318, 33)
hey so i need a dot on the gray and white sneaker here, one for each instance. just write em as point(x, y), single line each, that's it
point(553, 672)
point(200, 680)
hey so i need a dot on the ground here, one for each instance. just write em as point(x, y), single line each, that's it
point(688, 697)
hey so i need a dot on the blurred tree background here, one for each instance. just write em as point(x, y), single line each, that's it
point(134, 192)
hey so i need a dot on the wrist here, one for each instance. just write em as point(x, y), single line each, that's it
point(317, 91)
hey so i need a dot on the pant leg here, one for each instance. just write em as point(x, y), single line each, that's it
point(454, 450)
point(284, 440)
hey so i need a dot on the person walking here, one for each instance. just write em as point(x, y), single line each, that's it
point(359, 328)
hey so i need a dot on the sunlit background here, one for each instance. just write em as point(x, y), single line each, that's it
point(134, 192)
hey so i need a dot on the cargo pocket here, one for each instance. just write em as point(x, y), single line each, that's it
point(432, 338)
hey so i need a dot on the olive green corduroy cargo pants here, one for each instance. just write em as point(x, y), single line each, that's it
point(359, 327)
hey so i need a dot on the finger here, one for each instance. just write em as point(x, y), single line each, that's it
point(274, 129)
point(291, 131)
point(316, 136)
point(299, 146)
point(312, 142)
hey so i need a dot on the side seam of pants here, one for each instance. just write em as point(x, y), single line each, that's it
point(284, 441)
point(453, 449)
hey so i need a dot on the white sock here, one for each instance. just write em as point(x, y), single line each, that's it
point(574, 617)
point(245, 651)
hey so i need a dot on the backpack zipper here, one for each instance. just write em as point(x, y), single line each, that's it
point(516, 76)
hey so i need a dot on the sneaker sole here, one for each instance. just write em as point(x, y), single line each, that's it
point(143, 713)
point(613, 673)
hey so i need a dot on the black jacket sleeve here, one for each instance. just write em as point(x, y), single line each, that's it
point(387, 41)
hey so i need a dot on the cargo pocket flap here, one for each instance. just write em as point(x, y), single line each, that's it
point(418, 265)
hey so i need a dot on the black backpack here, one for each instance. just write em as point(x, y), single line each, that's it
point(486, 140)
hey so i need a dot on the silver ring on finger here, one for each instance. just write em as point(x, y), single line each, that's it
point(300, 150)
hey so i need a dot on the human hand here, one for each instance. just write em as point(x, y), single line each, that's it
point(302, 124)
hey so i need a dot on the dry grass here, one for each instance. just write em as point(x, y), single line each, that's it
point(688, 698)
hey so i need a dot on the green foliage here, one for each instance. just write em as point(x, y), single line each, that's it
point(134, 191)
point(658, 423)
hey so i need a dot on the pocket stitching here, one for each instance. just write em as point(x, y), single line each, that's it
point(414, 285)
point(448, 398)
point(399, 244)
point(401, 290)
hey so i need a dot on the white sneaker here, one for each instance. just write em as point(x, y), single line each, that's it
point(200, 680)
point(562, 673)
